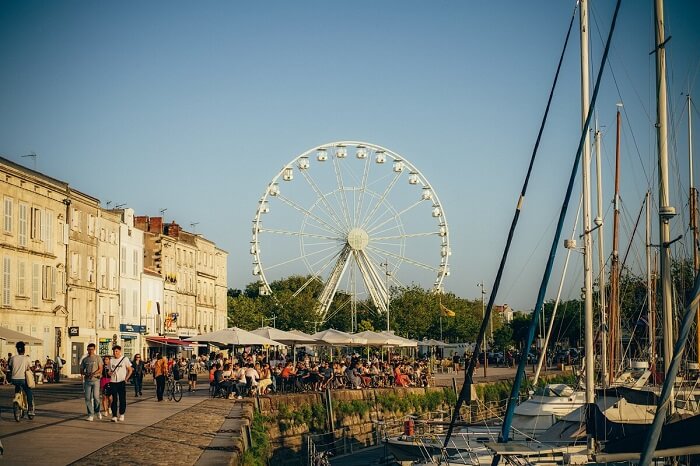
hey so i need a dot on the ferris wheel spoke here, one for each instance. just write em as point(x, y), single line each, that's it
point(408, 260)
point(333, 281)
point(373, 282)
point(380, 201)
point(328, 207)
point(396, 216)
point(343, 197)
point(310, 214)
point(280, 264)
point(300, 233)
point(407, 235)
point(327, 260)
point(363, 188)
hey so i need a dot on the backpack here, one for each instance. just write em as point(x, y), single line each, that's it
point(176, 372)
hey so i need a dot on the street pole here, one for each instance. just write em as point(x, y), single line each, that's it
point(483, 315)
point(388, 293)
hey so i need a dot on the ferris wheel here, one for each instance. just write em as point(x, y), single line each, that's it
point(352, 216)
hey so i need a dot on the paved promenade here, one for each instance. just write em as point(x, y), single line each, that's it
point(152, 433)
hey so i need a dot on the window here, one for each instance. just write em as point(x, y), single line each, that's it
point(21, 278)
point(6, 281)
point(61, 281)
point(36, 284)
point(123, 261)
point(8, 215)
point(48, 285)
point(36, 223)
point(90, 269)
point(74, 264)
point(134, 302)
point(103, 272)
point(22, 229)
point(122, 300)
point(75, 219)
point(49, 231)
point(113, 273)
point(91, 225)
point(103, 234)
point(136, 263)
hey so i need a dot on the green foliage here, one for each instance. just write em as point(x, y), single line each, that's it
point(495, 391)
point(365, 325)
point(312, 415)
point(259, 451)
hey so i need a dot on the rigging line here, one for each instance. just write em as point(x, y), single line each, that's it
point(329, 209)
point(396, 216)
point(552, 254)
point(381, 200)
point(634, 232)
point(343, 198)
point(468, 373)
point(309, 214)
point(299, 233)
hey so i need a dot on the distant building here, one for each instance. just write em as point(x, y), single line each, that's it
point(505, 311)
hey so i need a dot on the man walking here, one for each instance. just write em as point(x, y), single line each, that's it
point(160, 371)
point(120, 370)
point(18, 365)
point(91, 369)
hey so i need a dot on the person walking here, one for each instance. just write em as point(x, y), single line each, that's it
point(58, 364)
point(160, 371)
point(18, 365)
point(120, 370)
point(105, 386)
point(90, 369)
point(137, 376)
point(194, 368)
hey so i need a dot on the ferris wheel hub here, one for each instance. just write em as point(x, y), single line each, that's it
point(358, 239)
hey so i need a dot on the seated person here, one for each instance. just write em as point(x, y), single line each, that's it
point(327, 374)
point(353, 376)
point(252, 377)
point(222, 385)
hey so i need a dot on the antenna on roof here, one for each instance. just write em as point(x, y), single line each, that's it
point(194, 226)
point(108, 203)
point(119, 206)
point(33, 156)
point(162, 212)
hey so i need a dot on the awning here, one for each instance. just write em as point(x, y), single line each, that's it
point(163, 341)
point(12, 337)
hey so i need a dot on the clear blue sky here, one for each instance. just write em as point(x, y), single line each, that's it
point(195, 106)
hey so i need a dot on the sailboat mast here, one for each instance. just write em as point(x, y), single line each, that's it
point(615, 264)
point(601, 264)
point(693, 204)
point(651, 309)
point(587, 250)
point(666, 211)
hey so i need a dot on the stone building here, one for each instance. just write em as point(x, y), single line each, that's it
point(221, 289)
point(206, 285)
point(131, 251)
point(33, 249)
point(81, 275)
point(108, 306)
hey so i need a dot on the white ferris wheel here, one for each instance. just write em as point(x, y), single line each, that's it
point(355, 217)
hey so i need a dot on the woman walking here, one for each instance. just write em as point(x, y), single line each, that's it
point(137, 375)
point(105, 388)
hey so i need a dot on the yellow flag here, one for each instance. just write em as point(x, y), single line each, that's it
point(446, 312)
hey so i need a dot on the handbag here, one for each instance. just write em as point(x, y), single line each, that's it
point(29, 378)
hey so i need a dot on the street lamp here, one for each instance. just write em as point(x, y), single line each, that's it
point(385, 264)
point(483, 314)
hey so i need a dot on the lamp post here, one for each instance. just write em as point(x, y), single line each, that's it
point(385, 264)
point(266, 319)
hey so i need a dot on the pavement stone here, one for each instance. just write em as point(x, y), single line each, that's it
point(153, 432)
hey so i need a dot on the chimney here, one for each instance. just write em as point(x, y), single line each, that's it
point(173, 229)
point(141, 222)
point(156, 225)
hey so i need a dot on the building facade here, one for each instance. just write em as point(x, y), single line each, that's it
point(33, 250)
point(107, 283)
point(81, 275)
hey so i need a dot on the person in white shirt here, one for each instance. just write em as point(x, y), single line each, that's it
point(119, 370)
point(252, 374)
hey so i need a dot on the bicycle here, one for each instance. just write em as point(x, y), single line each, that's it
point(20, 408)
point(173, 388)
